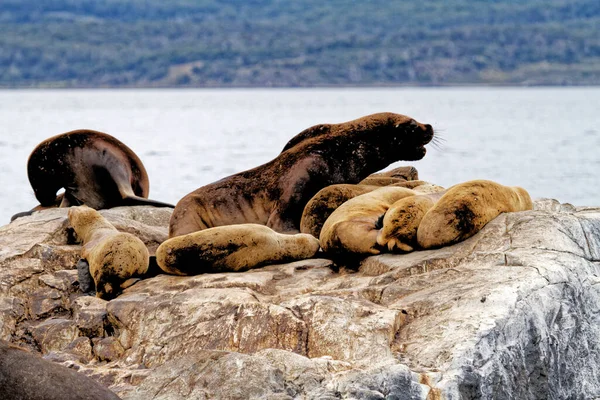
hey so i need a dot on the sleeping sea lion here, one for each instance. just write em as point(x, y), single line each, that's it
point(465, 208)
point(353, 227)
point(94, 168)
point(274, 194)
point(115, 258)
point(328, 199)
point(401, 222)
point(232, 248)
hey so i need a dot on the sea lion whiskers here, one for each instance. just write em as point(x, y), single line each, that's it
point(320, 156)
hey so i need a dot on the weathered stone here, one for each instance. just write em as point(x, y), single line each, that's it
point(32, 230)
point(63, 281)
point(44, 302)
point(12, 310)
point(233, 319)
point(54, 334)
point(107, 349)
point(18, 271)
point(81, 347)
point(511, 313)
point(89, 313)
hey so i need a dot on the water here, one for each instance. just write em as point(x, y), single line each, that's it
point(546, 140)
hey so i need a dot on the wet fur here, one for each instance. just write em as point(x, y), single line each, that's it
point(94, 168)
point(274, 194)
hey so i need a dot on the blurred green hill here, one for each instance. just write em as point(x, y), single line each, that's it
point(152, 43)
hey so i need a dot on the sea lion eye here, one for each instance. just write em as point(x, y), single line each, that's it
point(413, 123)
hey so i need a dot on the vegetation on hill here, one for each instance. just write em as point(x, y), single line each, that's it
point(83, 43)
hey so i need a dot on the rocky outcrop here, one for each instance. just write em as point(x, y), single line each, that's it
point(512, 313)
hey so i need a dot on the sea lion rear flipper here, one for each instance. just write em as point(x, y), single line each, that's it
point(86, 283)
point(140, 201)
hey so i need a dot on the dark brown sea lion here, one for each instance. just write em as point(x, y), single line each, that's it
point(466, 208)
point(94, 168)
point(275, 193)
point(27, 376)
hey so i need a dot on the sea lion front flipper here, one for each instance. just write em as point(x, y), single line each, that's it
point(140, 201)
point(86, 283)
point(129, 282)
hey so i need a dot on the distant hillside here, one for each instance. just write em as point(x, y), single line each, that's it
point(83, 43)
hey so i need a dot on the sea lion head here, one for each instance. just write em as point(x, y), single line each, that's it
point(401, 136)
point(85, 220)
point(45, 190)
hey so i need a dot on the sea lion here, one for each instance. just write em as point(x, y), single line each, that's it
point(27, 376)
point(325, 202)
point(401, 221)
point(465, 208)
point(396, 175)
point(232, 248)
point(353, 227)
point(115, 258)
point(274, 194)
point(320, 207)
point(94, 168)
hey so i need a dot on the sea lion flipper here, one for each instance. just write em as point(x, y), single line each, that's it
point(86, 283)
point(131, 200)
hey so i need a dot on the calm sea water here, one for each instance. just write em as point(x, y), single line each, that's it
point(546, 140)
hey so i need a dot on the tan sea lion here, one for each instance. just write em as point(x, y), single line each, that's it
point(274, 194)
point(320, 207)
point(325, 202)
point(94, 168)
point(465, 208)
point(401, 221)
point(115, 258)
point(353, 227)
point(232, 248)
point(27, 376)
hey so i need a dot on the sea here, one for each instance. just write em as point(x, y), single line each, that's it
point(546, 140)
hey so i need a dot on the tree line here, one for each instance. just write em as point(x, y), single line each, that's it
point(214, 43)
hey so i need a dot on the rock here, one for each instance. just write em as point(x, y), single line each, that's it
point(107, 349)
point(54, 334)
point(27, 376)
point(81, 347)
point(511, 313)
point(90, 314)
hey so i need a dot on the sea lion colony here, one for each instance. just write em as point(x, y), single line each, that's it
point(325, 184)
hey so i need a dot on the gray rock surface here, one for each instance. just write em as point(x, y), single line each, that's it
point(512, 313)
